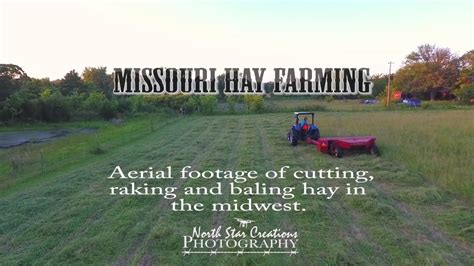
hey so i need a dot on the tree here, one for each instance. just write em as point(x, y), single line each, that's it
point(98, 103)
point(97, 78)
point(11, 78)
point(55, 107)
point(70, 83)
point(465, 93)
point(466, 68)
point(268, 87)
point(380, 83)
point(36, 86)
point(465, 85)
point(16, 103)
point(428, 70)
point(221, 86)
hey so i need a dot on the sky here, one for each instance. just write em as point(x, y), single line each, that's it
point(50, 38)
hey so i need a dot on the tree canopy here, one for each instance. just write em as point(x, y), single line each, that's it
point(428, 70)
point(11, 77)
point(71, 82)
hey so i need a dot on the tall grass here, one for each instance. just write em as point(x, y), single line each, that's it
point(437, 144)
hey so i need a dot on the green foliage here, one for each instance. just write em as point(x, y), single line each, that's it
point(97, 79)
point(425, 105)
point(76, 101)
point(208, 103)
point(140, 104)
point(465, 92)
point(328, 98)
point(71, 82)
point(380, 83)
point(254, 102)
point(75, 98)
point(95, 100)
point(16, 103)
point(427, 70)
point(11, 79)
point(465, 87)
point(36, 86)
point(98, 102)
point(54, 106)
point(232, 101)
point(192, 105)
point(50, 105)
point(174, 103)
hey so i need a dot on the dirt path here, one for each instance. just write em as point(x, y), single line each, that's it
point(12, 139)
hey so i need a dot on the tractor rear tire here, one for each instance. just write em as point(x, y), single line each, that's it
point(292, 139)
point(374, 150)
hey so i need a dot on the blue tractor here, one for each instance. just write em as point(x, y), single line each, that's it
point(302, 129)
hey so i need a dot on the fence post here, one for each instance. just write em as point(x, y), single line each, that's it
point(42, 161)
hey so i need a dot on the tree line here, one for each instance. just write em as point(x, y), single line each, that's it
point(429, 72)
point(432, 72)
point(89, 96)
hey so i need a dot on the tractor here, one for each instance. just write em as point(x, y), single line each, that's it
point(302, 130)
point(335, 146)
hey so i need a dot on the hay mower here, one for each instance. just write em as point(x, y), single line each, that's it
point(335, 146)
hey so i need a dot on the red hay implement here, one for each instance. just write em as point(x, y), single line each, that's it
point(336, 145)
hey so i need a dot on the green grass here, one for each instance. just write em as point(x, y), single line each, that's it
point(32, 162)
point(418, 209)
point(436, 144)
point(292, 104)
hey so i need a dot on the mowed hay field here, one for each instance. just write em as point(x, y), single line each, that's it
point(418, 209)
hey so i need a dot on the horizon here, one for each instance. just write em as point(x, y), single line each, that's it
point(231, 34)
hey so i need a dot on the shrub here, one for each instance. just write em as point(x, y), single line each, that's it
point(208, 103)
point(425, 105)
point(254, 102)
point(465, 93)
point(100, 105)
point(55, 107)
point(14, 106)
point(192, 105)
point(109, 109)
point(231, 101)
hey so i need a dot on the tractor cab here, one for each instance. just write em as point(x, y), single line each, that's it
point(302, 120)
point(302, 128)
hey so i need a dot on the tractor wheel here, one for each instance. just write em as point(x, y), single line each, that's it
point(335, 150)
point(292, 139)
point(339, 153)
point(374, 150)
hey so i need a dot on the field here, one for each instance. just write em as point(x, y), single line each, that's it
point(55, 208)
